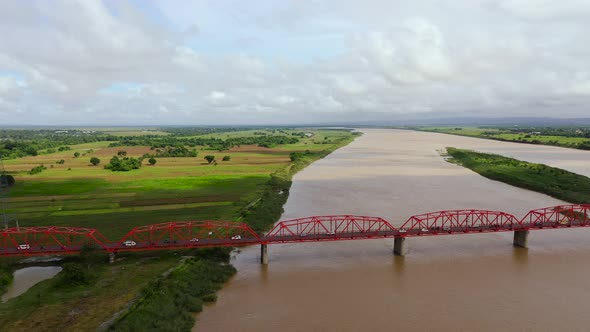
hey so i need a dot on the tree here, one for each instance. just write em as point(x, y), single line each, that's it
point(6, 180)
point(74, 274)
point(76, 154)
point(209, 158)
point(121, 153)
point(94, 161)
point(226, 158)
point(152, 161)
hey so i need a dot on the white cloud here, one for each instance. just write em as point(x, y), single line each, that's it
point(118, 62)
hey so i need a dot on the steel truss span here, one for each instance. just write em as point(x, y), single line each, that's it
point(49, 240)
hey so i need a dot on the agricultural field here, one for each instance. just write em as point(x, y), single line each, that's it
point(569, 137)
point(73, 192)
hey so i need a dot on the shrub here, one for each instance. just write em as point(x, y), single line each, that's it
point(6, 180)
point(123, 165)
point(37, 169)
point(210, 158)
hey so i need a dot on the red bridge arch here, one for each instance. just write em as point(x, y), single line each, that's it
point(330, 228)
point(206, 233)
point(459, 221)
point(572, 215)
point(48, 240)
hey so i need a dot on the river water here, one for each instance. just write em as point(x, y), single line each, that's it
point(27, 277)
point(447, 283)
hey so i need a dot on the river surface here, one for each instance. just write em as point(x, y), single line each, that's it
point(447, 283)
point(27, 277)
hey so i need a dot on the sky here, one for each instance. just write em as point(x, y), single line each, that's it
point(276, 62)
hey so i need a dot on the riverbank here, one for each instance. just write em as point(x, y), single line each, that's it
point(555, 182)
point(556, 137)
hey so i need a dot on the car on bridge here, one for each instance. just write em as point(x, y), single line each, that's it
point(194, 239)
point(236, 237)
point(129, 243)
point(24, 247)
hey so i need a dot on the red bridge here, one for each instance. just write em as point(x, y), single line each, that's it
point(49, 240)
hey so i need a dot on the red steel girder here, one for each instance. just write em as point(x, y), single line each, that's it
point(456, 221)
point(48, 239)
point(571, 215)
point(337, 225)
point(182, 231)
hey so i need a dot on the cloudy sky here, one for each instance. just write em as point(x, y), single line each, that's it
point(300, 61)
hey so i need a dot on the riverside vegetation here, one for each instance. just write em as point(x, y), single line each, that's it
point(567, 137)
point(555, 182)
point(248, 181)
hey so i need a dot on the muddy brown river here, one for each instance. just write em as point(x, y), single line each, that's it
point(447, 283)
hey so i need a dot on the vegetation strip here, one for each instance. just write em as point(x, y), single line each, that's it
point(167, 303)
point(567, 137)
point(555, 182)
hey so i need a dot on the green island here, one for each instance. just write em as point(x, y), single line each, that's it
point(555, 182)
point(567, 137)
point(152, 175)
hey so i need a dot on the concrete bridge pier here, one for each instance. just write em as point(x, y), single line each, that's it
point(521, 239)
point(111, 257)
point(399, 247)
point(264, 254)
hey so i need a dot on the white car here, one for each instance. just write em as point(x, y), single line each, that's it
point(24, 247)
point(424, 230)
point(402, 230)
point(129, 243)
point(194, 239)
point(236, 237)
point(331, 233)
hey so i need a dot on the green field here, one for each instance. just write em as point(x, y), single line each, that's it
point(76, 193)
point(555, 182)
point(251, 187)
point(569, 139)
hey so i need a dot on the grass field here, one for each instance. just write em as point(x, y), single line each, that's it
point(76, 193)
point(250, 187)
point(555, 182)
point(48, 307)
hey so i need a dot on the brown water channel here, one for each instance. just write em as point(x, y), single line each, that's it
point(449, 283)
point(28, 277)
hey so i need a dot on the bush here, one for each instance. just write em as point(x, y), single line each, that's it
point(6, 180)
point(209, 158)
point(94, 161)
point(37, 169)
point(74, 274)
point(226, 158)
point(123, 165)
point(152, 161)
